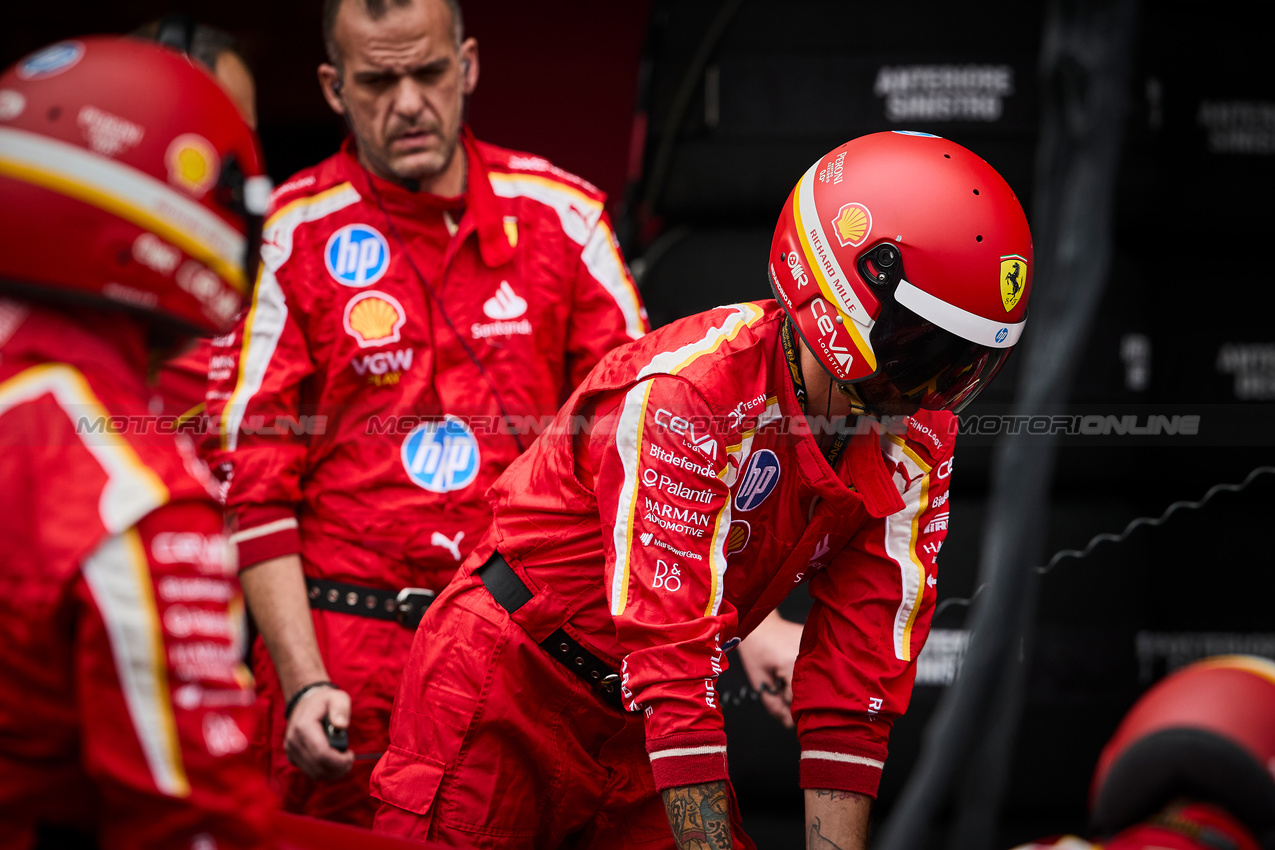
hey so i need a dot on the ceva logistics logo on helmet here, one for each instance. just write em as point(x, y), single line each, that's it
point(441, 456)
point(357, 255)
point(1013, 279)
point(758, 481)
point(53, 59)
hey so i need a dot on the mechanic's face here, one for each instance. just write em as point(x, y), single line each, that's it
point(403, 84)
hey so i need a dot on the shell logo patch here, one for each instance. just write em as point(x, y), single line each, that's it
point(1013, 279)
point(852, 224)
point(374, 318)
point(738, 536)
point(193, 164)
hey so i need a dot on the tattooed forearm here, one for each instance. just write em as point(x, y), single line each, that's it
point(835, 795)
point(816, 840)
point(699, 816)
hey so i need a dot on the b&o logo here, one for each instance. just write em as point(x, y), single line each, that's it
point(357, 255)
point(666, 577)
point(441, 456)
point(758, 481)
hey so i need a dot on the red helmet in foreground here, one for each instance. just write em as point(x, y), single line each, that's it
point(906, 256)
point(128, 176)
point(1207, 733)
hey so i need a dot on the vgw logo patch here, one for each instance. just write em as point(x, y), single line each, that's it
point(357, 255)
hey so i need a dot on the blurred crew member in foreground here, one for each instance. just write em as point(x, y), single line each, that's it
point(563, 688)
point(182, 380)
point(417, 286)
point(132, 195)
point(1191, 766)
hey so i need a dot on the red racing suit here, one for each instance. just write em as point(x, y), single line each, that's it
point(125, 708)
point(363, 395)
point(677, 500)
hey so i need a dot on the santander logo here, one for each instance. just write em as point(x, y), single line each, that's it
point(505, 304)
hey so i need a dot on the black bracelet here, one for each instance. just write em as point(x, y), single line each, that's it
point(302, 691)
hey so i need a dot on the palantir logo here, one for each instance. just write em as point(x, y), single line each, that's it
point(441, 456)
point(758, 481)
point(357, 255)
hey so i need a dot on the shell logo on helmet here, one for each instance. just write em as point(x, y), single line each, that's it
point(374, 318)
point(853, 223)
point(192, 164)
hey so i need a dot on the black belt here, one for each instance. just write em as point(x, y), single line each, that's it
point(405, 607)
point(508, 590)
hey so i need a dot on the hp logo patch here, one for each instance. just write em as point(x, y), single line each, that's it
point(441, 456)
point(758, 481)
point(1001, 334)
point(357, 255)
point(53, 59)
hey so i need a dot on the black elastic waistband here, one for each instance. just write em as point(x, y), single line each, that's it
point(511, 594)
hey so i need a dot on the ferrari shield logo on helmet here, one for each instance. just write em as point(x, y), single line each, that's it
point(1013, 279)
point(852, 225)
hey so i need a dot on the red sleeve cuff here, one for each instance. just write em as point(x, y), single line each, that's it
point(691, 758)
point(265, 532)
point(834, 763)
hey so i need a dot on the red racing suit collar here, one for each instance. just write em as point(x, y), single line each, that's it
point(482, 210)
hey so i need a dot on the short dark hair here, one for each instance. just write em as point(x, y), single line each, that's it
point(207, 43)
point(375, 10)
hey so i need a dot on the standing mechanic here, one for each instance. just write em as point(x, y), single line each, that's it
point(573, 699)
point(417, 288)
point(132, 199)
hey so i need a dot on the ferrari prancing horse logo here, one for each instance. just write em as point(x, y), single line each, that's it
point(1013, 279)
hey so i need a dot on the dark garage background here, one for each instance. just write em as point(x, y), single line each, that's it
point(698, 117)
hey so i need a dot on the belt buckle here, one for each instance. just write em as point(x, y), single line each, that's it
point(410, 605)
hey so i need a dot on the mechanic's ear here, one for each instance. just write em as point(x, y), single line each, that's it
point(468, 66)
point(330, 83)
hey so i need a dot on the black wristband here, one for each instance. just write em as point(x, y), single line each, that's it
point(302, 691)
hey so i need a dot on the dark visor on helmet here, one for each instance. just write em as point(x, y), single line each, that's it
point(928, 365)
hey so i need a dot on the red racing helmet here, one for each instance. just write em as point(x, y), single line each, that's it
point(129, 177)
point(904, 255)
point(1207, 733)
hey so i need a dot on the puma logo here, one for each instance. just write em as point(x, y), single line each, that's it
point(453, 546)
point(901, 468)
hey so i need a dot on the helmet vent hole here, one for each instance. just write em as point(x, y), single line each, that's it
point(947, 156)
point(975, 191)
point(55, 112)
point(978, 238)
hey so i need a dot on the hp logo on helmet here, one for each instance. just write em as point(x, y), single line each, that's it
point(441, 456)
point(1001, 334)
point(758, 480)
point(357, 255)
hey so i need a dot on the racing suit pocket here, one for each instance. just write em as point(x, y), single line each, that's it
point(408, 781)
